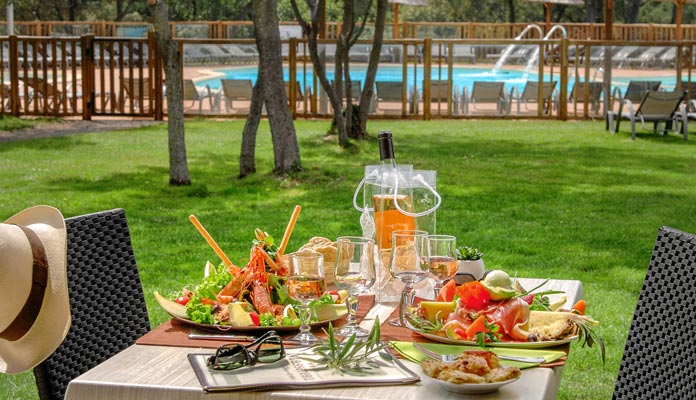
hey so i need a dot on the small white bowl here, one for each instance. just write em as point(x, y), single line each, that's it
point(467, 388)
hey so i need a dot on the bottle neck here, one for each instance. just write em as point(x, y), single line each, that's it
point(386, 149)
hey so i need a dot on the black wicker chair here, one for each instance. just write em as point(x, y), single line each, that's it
point(106, 300)
point(660, 351)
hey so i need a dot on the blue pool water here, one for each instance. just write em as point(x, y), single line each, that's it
point(461, 76)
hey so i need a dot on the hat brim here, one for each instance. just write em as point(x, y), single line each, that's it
point(53, 322)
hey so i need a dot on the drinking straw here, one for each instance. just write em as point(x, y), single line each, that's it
point(288, 230)
point(210, 240)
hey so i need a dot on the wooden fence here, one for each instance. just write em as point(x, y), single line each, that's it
point(418, 30)
point(102, 76)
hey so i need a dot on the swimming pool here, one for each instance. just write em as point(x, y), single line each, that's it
point(461, 76)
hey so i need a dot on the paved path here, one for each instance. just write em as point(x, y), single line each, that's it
point(69, 127)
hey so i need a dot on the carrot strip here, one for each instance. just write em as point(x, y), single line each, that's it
point(288, 230)
point(210, 241)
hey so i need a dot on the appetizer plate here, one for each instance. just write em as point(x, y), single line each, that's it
point(467, 388)
point(516, 345)
point(251, 329)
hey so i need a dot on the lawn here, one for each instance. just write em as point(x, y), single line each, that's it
point(562, 200)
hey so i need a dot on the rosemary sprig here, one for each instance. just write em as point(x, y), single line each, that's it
point(587, 335)
point(349, 356)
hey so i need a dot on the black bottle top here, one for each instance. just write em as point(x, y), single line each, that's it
point(386, 148)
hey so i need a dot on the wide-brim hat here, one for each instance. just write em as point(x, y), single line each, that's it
point(28, 333)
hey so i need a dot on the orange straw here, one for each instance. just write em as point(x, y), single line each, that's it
point(288, 230)
point(210, 240)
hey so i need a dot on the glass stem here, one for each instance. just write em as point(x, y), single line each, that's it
point(407, 296)
point(352, 305)
point(304, 318)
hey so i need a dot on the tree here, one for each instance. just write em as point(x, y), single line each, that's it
point(353, 26)
point(178, 166)
point(269, 90)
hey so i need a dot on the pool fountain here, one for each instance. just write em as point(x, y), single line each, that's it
point(534, 59)
point(508, 50)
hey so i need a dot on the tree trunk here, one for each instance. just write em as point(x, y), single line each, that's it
point(366, 96)
point(270, 90)
point(178, 166)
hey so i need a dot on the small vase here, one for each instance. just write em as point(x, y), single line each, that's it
point(473, 267)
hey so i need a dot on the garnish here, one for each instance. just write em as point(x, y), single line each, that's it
point(350, 356)
point(489, 335)
point(424, 324)
point(587, 335)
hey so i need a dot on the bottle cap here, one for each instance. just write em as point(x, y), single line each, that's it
point(386, 147)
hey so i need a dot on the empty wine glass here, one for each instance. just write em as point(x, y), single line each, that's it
point(354, 272)
point(306, 283)
point(409, 263)
point(443, 259)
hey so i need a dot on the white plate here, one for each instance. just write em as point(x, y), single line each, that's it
point(516, 345)
point(468, 388)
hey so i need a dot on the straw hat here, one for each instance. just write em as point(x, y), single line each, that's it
point(34, 317)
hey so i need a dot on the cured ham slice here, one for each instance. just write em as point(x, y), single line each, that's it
point(510, 315)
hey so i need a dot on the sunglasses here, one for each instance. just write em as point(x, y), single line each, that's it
point(266, 349)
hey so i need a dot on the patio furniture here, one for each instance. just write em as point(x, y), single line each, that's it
point(656, 107)
point(299, 95)
point(486, 93)
point(634, 91)
point(197, 95)
point(594, 94)
point(647, 58)
point(391, 92)
point(235, 90)
point(152, 370)
point(464, 52)
point(658, 358)
point(137, 90)
point(621, 54)
point(530, 94)
point(359, 53)
point(106, 300)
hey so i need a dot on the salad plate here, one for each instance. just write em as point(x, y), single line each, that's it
point(516, 345)
point(250, 329)
point(467, 388)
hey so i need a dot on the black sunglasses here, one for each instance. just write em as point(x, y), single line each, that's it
point(266, 349)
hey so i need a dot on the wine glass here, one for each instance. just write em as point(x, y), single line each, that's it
point(443, 259)
point(354, 272)
point(409, 263)
point(306, 283)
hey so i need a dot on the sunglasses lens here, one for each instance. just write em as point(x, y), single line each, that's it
point(231, 357)
point(270, 351)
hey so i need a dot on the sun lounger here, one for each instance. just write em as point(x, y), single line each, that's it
point(656, 107)
point(391, 93)
point(530, 95)
point(197, 95)
point(486, 93)
point(235, 90)
point(594, 93)
point(634, 91)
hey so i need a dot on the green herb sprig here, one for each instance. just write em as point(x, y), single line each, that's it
point(349, 356)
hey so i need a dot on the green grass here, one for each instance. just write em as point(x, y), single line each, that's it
point(540, 199)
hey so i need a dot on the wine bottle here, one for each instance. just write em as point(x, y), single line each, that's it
point(393, 184)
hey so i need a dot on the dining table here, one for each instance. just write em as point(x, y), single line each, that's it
point(157, 367)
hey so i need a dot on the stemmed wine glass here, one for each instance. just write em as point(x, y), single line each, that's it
point(354, 272)
point(409, 263)
point(306, 283)
point(443, 259)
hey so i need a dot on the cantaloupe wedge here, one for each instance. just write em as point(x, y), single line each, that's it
point(432, 308)
point(172, 307)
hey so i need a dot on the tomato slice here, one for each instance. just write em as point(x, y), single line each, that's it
point(255, 319)
point(473, 295)
point(447, 292)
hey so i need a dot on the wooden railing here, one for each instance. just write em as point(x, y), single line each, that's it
point(418, 30)
point(90, 76)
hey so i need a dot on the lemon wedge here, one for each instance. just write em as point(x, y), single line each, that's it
point(289, 311)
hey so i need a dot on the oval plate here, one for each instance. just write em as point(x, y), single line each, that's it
point(175, 309)
point(468, 388)
point(516, 345)
point(250, 329)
